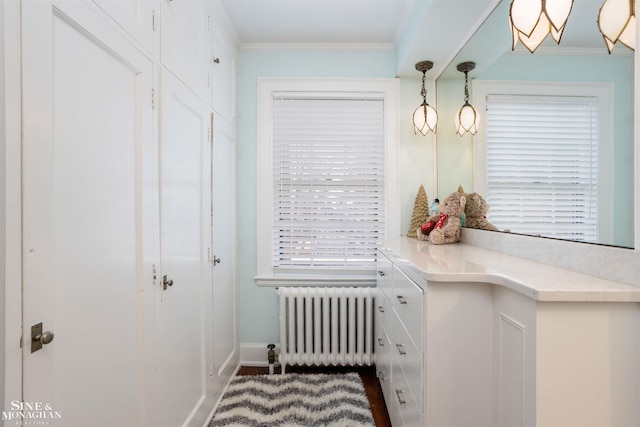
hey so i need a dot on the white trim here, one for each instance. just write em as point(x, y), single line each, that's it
point(317, 47)
point(11, 179)
point(636, 145)
point(604, 92)
point(388, 88)
point(299, 280)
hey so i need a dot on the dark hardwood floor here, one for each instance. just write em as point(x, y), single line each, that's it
point(367, 373)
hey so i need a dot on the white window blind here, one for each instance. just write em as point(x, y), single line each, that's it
point(542, 165)
point(328, 182)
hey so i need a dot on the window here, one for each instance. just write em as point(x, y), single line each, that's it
point(325, 180)
point(545, 163)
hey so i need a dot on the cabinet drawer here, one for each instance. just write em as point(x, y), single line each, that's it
point(383, 311)
point(383, 361)
point(409, 360)
point(385, 275)
point(405, 411)
point(408, 302)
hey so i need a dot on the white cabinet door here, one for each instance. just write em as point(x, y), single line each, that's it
point(223, 82)
point(184, 317)
point(136, 17)
point(186, 43)
point(87, 216)
point(224, 320)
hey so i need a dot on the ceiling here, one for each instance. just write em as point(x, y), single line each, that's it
point(424, 29)
point(319, 21)
point(417, 30)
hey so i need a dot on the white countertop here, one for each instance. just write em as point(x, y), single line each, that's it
point(460, 262)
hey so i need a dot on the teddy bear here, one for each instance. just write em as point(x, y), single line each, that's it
point(475, 211)
point(444, 227)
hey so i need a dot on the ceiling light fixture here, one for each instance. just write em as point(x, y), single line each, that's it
point(425, 117)
point(532, 20)
point(467, 117)
point(617, 23)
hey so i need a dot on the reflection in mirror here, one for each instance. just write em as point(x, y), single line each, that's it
point(579, 69)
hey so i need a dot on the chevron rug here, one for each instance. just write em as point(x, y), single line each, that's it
point(294, 400)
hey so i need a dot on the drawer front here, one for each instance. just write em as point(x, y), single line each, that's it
point(385, 275)
point(409, 359)
point(408, 302)
point(383, 311)
point(405, 411)
point(383, 361)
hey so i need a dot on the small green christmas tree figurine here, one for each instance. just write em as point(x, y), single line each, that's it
point(420, 212)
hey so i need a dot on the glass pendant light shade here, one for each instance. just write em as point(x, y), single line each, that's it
point(467, 120)
point(532, 20)
point(467, 117)
point(617, 23)
point(425, 119)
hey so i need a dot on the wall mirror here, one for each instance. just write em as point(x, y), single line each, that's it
point(581, 59)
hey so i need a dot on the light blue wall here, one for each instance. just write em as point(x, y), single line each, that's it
point(258, 307)
point(456, 154)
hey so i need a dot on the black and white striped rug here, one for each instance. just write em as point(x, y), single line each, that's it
point(291, 400)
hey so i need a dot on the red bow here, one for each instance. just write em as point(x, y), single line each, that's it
point(440, 223)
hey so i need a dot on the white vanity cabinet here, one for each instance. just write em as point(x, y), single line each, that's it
point(399, 353)
point(471, 337)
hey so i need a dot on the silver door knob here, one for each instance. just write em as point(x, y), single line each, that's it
point(44, 338)
point(216, 260)
point(166, 282)
point(38, 338)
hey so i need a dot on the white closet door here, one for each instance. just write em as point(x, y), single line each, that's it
point(88, 216)
point(223, 82)
point(136, 17)
point(224, 213)
point(185, 316)
point(186, 43)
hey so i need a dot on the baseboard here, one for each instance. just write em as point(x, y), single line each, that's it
point(255, 354)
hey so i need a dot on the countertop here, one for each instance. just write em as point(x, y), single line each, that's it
point(459, 262)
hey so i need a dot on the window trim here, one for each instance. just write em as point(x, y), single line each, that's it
point(602, 91)
point(389, 89)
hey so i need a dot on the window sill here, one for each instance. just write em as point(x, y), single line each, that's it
point(315, 280)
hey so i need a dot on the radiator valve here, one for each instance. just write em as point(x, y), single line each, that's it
point(271, 357)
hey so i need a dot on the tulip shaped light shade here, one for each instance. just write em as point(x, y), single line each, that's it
point(425, 117)
point(532, 20)
point(617, 23)
point(467, 117)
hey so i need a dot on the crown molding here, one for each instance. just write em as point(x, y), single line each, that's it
point(307, 47)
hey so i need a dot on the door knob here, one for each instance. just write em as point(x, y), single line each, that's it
point(166, 282)
point(39, 338)
point(216, 260)
point(45, 337)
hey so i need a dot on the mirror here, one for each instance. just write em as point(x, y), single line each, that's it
point(581, 59)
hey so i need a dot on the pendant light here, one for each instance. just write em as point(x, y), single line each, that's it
point(532, 20)
point(617, 23)
point(467, 117)
point(425, 118)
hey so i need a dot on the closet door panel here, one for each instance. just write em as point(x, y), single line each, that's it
point(224, 322)
point(185, 316)
point(136, 17)
point(186, 44)
point(87, 216)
